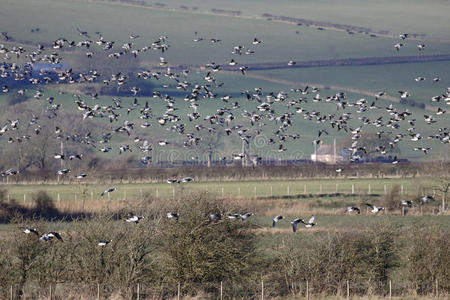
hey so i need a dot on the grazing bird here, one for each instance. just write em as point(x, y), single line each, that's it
point(48, 236)
point(134, 218)
point(374, 208)
point(352, 209)
point(107, 191)
point(276, 219)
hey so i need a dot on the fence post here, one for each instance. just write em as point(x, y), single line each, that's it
point(271, 193)
point(401, 189)
point(92, 196)
point(179, 291)
point(221, 290)
point(321, 188)
point(288, 190)
point(239, 191)
point(307, 290)
point(390, 289)
point(336, 187)
point(443, 202)
point(137, 292)
point(173, 193)
point(24, 198)
point(304, 189)
point(403, 210)
point(353, 188)
point(437, 288)
point(254, 191)
point(348, 290)
point(98, 291)
point(262, 290)
point(140, 191)
point(11, 292)
point(385, 190)
point(157, 193)
point(51, 292)
point(222, 192)
point(75, 197)
point(369, 189)
point(124, 195)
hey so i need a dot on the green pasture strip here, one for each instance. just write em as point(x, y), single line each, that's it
point(244, 189)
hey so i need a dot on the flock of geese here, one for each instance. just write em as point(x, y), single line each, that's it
point(399, 125)
point(279, 108)
point(216, 217)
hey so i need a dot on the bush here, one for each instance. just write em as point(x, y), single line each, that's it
point(195, 250)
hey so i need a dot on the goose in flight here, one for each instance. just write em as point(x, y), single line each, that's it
point(107, 191)
point(246, 216)
point(421, 46)
point(63, 171)
point(407, 203)
point(374, 208)
point(276, 219)
point(398, 46)
point(352, 209)
point(427, 198)
point(48, 236)
point(170, 215)
point(103, 243)
point(134, 218)
point(215, 216)
point(256, 41)
point(29, 230)
point(310, 222)
point(295, 223)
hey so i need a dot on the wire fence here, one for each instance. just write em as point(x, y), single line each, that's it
point(226, 290)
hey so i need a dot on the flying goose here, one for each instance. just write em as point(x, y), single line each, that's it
point(310, 222)
point(170, 215)
point(107, 191)
point(103, 243)
point(28, 230)
point(295, 223)
point(407, 203)
point(48, 236)
point(276, 219)
point(246, 216)
point(375, 209)
point(134, 218)
point(353, 208)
